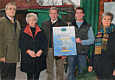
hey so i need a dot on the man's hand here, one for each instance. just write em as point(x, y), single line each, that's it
point(90, 68)
point(63, 57)
point(78, 40)
point(38, 54)
point(2, 59)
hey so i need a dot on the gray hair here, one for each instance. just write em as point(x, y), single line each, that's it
point(10, 3)
point(31, 15)
point(108, 14)
point(54, 8)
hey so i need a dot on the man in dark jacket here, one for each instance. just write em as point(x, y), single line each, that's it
point(84, 38)
point(47, 26)
point(9, 36)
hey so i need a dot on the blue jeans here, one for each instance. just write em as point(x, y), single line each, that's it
point(73, 61)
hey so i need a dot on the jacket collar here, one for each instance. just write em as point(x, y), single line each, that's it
point(56, 23)
point(28, 31)
point(8, 18)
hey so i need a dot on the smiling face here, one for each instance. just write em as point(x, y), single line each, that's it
point(106, 21)
point(32, 21)
point(79, 14)
point(10, 10)
point(53, 14)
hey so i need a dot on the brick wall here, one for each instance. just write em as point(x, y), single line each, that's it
point(107, 0)
point(20, 3)
point(3, 3)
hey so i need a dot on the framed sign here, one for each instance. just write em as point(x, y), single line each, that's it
point(64, 41)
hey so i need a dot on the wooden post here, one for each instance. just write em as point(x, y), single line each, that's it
point(101, 12)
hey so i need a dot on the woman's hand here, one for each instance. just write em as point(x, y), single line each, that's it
point(38, 54)
point(31, 53)
point(90, 68)
point(113, 72)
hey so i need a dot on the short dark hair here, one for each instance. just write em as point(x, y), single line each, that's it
point(79, 8)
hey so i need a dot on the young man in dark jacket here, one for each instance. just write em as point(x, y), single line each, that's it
point(84, 38)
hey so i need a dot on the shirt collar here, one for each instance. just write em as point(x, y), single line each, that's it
point(53, 21)
point(10, 18)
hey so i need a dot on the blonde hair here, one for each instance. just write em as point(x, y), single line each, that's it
point(31, 15)
point(10, 3)
point(54, 8)
point(107, 14)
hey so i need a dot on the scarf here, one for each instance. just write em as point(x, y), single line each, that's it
point(102, 39)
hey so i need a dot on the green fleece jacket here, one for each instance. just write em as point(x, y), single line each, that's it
point(9, 40)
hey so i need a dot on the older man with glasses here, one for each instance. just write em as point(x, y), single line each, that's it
point(9, 35)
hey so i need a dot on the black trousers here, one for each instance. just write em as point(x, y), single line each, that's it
point(33, 76)
point(7, 71)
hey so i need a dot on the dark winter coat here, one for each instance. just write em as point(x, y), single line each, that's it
point(47, 25)
point(35, 43)
point(104, 63)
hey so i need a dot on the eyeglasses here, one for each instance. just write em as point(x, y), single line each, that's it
point(11, 9)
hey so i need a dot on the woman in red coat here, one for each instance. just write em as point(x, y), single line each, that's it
point(33, 44)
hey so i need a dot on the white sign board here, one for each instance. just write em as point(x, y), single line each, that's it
point(76, 3)
point(64, 41)
point(49, 2)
